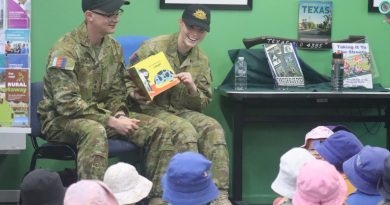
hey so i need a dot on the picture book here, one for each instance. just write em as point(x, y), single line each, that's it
point(14, 97)
point(284, 64)
point(153, 75)
point(18, 14)
point(357, 64)
point(315, 21)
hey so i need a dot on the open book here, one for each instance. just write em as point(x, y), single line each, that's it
point(153, 75)
point(284, 64)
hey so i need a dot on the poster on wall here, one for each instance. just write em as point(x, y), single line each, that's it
point(315, 21)
point(18, 14)
point(14, 63)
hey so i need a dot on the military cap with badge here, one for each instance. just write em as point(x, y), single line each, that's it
point(197, 15)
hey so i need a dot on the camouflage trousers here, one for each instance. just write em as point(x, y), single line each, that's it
point(90, 137)
point(194, 131)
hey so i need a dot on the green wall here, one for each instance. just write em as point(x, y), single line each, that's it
point(263, 143)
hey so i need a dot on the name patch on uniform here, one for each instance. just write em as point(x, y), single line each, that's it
point(134, 58)
point(59, 62)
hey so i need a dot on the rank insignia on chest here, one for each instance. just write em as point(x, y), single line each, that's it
point(59, 62)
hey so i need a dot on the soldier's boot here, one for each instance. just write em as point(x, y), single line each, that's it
point(223, 199)
point(156, 201)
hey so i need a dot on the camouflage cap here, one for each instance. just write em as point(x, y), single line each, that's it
point(197, 15)
point(108, 6)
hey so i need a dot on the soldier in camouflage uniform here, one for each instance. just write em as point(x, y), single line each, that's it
point(84, 98)
point(181, 106)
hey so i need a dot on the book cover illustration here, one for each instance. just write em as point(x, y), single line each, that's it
point(357, 64)
point(284, 64)
point(153, 75)
point(315, 21)
point(18, 13)
point(17, 95)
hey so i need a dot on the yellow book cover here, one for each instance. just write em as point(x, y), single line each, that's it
point(153, 75)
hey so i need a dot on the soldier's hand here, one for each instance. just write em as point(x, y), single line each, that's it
point(138, 96)
point(123, 125)
point(186, 78)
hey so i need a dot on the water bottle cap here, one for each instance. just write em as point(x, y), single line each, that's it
point(338, 55)
point(241, 58)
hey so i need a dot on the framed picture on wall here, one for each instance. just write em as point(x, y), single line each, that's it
point(373, 5)
point(221, 4)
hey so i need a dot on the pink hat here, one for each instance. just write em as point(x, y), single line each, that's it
point(89, 192)
point(320, 132)
point(320, 183)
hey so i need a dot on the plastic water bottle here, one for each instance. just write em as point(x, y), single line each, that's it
point(337, 71)
point(240, 74)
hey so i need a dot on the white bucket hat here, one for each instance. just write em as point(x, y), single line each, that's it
point(290, 164)
point(126, 184)
point(320, 132)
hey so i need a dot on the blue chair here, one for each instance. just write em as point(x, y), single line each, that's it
point(130, 44)
point(61, 151)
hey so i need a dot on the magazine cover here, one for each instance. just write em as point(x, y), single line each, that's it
point(2, 13)
point(18, 14)
point(17, 95)
point(357, 64)
point(315, 21)
point(6, 114)
point(153, 75)
point(284, 64)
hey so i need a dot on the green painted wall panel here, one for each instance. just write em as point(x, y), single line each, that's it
point(52, 18)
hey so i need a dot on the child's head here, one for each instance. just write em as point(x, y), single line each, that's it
point(365, 169)
point(290, 164)
point(188, 181)
point(127, 185)
point(319, 183)
point(384, 182)
point(89, 192)
point(42, 186)
point(338, 147)
point(318, 133)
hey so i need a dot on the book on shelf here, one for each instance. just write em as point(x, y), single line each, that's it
point(315, 21)
point(357, 64)
point(153, 75)
point(284, 65)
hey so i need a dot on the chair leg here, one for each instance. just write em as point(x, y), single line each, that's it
point(33, 161)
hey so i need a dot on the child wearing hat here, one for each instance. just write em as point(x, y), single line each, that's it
point(126, 184)
point(188, 180)
point(384, 183)
point(290, 164)
point(91, 192)
point(319, 183)
point(364, 171)
point(42, 187)
point(318, 133)
point(338, 148)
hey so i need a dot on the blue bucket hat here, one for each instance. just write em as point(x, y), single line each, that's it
point(384, 182)
point(365, 169)
point(339, 147)
point(188, 181)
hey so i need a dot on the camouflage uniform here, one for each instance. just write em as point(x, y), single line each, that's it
point(83, 88)
point(183, 111)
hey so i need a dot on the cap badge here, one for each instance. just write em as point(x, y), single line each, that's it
point(200, 14)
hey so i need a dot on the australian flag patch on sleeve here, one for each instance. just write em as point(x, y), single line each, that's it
point(134, 59)
point(59, 62)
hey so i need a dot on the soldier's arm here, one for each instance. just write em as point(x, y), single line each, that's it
point(66, 91)
point(202, 98)
point(116, 101)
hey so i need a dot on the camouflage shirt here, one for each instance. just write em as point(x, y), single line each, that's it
point(196, 63)
point(81, 83)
